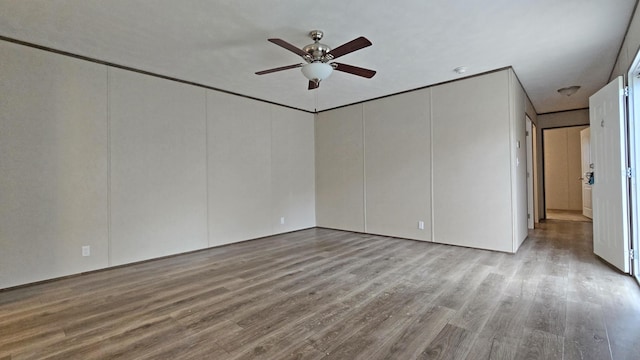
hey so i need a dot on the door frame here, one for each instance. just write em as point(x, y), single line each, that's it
point(530, 173)
point(633, 121)
point(543, 168)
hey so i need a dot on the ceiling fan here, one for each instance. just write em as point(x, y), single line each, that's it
point(317, 57)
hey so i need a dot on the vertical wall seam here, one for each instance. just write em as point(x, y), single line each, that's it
point(431, 157)
point(274, 230)
point(109, 235)
point(206, 165)
point(315, 166)
point(316, 118)
point(364, 172)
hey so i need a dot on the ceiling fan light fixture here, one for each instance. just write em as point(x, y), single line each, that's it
point(317, 57)
point(568, 91)
point(317, 71)
point(460, 70)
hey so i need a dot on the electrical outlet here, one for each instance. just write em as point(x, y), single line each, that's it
point(282, 220)
point(86, 250)
point(421, 225)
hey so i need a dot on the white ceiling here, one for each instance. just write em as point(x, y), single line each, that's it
point(416, 43)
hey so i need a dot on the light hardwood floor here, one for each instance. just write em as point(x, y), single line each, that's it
point(567, 215)
point(325, 294)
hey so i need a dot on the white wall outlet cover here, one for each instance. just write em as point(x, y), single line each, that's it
point(282, 220)
point(86, 250)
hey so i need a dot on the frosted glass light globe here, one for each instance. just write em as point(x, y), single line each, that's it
point(317, 71)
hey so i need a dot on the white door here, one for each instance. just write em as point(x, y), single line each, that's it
point(609, 191)
point(585, 153)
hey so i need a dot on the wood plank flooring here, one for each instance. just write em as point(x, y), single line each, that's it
point(568, 215)
point(326, 294)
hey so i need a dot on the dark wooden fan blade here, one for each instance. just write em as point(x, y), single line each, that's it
point(278, 69)
point(349, 47)
point(313, 85)
point(355, 70)
point(289, 47)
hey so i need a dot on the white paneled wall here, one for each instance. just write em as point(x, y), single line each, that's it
point(340, 169)
point(138, 167)
point(292, 170)
point(158, 167)
point(53, 165)
point(471, 163)
point(446, 155)
point(239, 168)
point(629, 48)
point(398, 165)
point(260, 169)
point(518, 145)
point(174, 167)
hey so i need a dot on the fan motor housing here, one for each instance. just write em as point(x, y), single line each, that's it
point(317, 51)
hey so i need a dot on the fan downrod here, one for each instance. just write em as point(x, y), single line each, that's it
point(316, 35)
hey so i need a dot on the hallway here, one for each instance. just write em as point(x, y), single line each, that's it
point(601, 303)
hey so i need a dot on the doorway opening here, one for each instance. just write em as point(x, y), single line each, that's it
point(566, 166)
